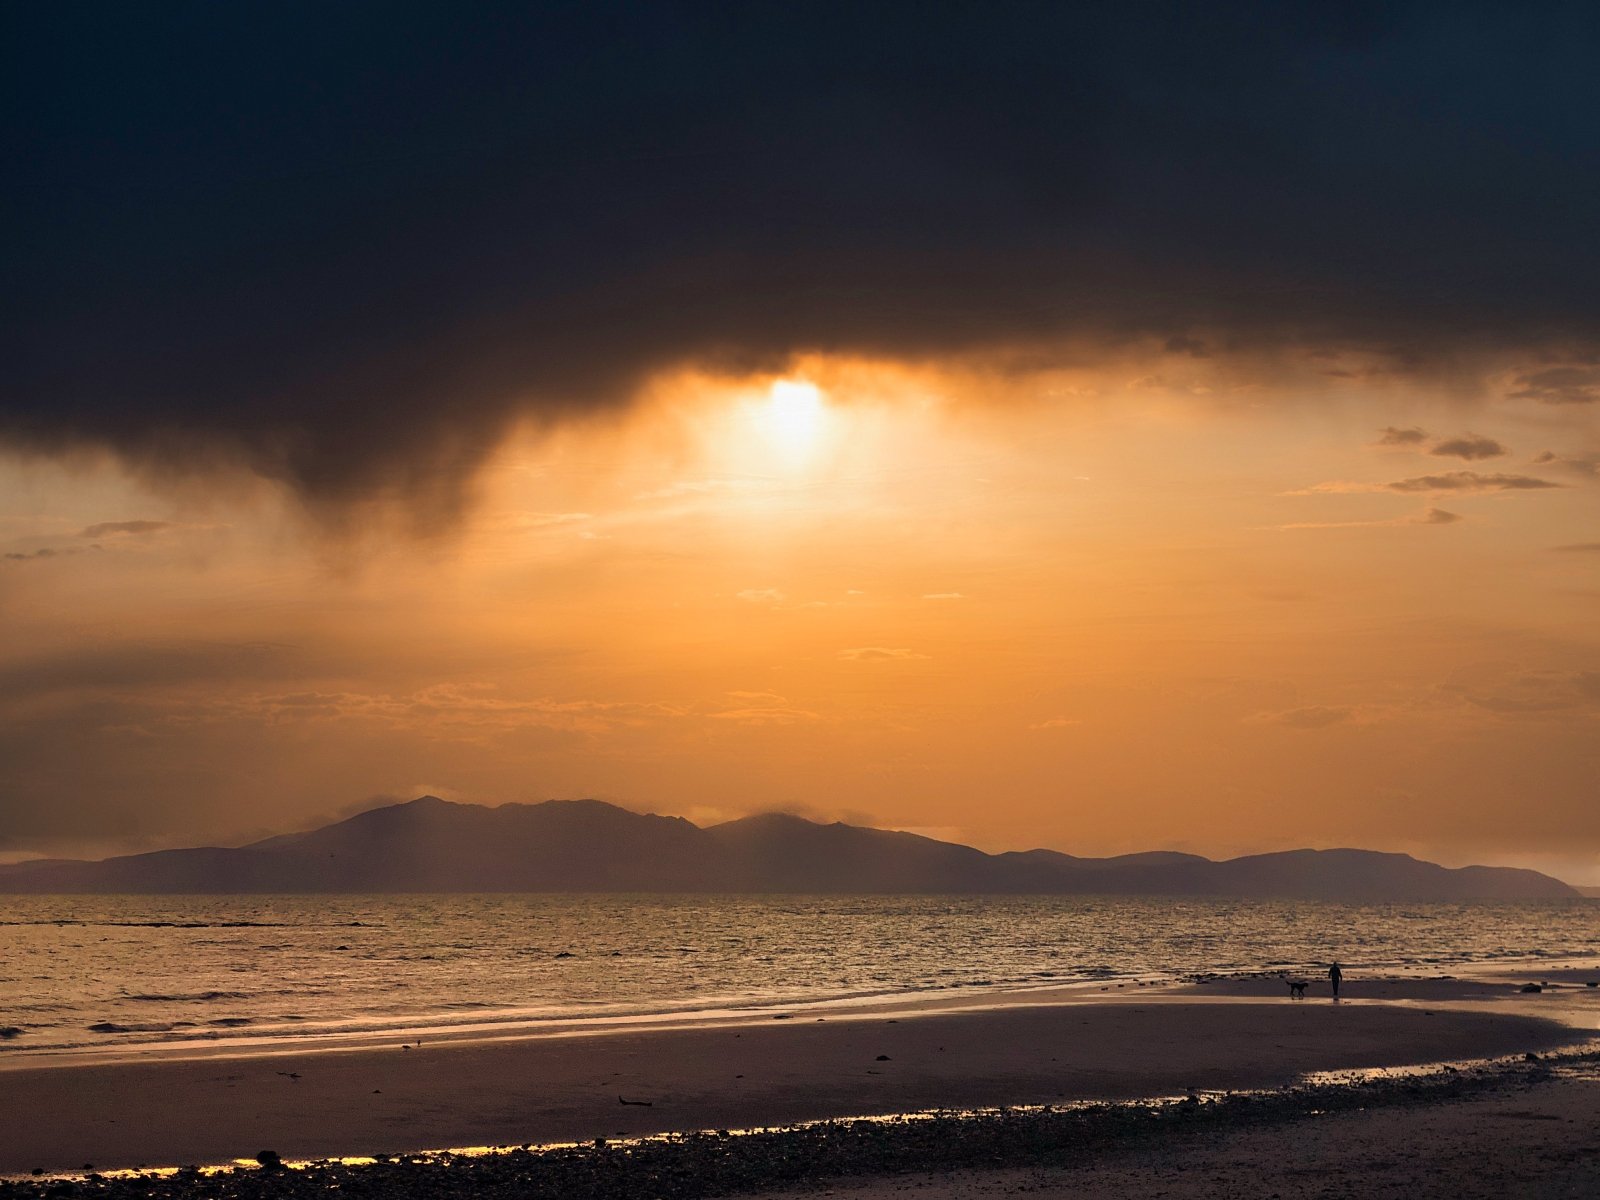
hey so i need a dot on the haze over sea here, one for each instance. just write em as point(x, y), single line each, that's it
point(126, 972)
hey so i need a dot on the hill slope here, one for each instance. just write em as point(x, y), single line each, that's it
point(432, 845)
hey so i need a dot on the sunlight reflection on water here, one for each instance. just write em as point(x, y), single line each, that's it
point(105, 971)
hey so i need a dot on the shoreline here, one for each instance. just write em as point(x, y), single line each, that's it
point(1226, 1035)
point(1483, 981)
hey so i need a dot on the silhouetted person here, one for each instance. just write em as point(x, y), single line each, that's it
point(1334, 976)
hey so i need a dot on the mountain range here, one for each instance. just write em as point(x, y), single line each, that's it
point(434, 845)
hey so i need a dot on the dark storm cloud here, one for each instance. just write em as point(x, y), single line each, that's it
point(344, 245)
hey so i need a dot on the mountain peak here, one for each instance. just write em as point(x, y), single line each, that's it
point(434, 845)
point(774, 820)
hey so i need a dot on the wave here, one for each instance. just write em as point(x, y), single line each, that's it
point(139, 1027)
point(182, 997)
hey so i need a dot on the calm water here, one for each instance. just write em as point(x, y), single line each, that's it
point(118, 970)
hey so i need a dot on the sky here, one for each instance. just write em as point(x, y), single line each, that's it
point(1106, 428)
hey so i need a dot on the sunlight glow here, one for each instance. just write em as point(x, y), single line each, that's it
point(794, 416)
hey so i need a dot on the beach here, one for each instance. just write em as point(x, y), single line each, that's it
point(764, 1069)
point(1525, 1134)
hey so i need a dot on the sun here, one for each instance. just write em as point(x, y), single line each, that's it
point(794, 410)
point(785, 426)
point(792, 418)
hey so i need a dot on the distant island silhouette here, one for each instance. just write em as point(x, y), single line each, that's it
point(434, 845)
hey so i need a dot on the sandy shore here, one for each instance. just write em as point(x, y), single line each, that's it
point(1521, 1127)
point(1219, 1036)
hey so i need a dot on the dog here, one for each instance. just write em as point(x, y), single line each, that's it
point(1297, 988)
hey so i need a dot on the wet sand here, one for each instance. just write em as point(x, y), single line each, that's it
point(1530, 1138)
point(1154, 1042)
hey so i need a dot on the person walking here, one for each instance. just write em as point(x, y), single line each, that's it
point(1334, 976)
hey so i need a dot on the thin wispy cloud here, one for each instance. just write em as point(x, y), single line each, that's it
point(1538, 692)
point(762, 715)
point(1392, 435)
point(1430, 516)
point(1580, 464)
point(1055, 723)
point(1448, 481)
point(1312, 716)
point(879, 654)
point(552, 520)
point(131, 528)
point(1470, 481)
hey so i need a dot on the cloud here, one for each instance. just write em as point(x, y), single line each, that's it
point(696, 487)
point(1315, 716)
point(527, 221)
point(943, 596)
point(1055, 723)
point(1428, 516)
point(1537, 692)
point(450, 711)
point(1448, 481)
point(1470, 481)
point(879, 654)
point(1470, 446)
point(149, 665)
point(1391, 435)
point(131, 528)
point(1580, 464)
point(760, 596)
point(1559, 385)
point(552, 520)
point(764, 708)
point(1182, 344)
point(1578, 548)
point(766, 716)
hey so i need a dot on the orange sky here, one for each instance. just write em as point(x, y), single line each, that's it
point(1152, 601)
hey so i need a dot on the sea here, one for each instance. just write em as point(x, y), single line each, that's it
point(79, 973)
